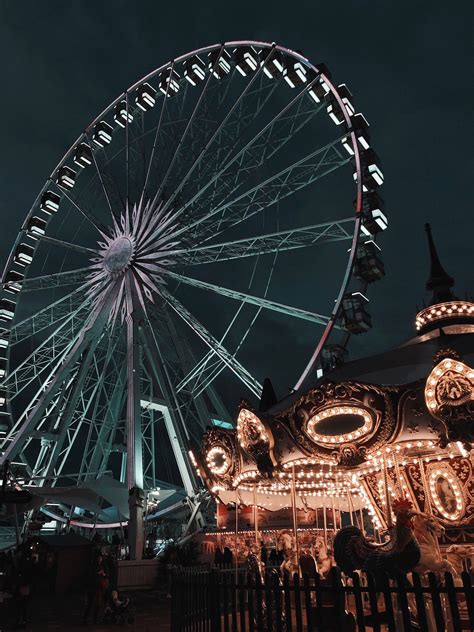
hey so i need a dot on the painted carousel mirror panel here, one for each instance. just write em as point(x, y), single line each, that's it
point(343, 422)
point(256, 438)
point(446, 493)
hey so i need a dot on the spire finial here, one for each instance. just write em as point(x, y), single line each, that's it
point(439, 282)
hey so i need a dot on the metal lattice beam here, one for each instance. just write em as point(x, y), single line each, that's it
point(288, 310)
point(303, 237)
point(230, 361)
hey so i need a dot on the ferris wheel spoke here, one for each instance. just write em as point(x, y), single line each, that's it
point(240, 156)
point(220, 130)
point(88, 403)
point(185, 361)
point(262, 150)
point(49, 352)
point(188, 127)
point(89, 215)
point(100, 174)
point(49, 281)
point(68, 413)
point(301, 174)
point(102, 428)
point(46, 317)
point(157, 132)
point(301, 237)
point(230, 132)
point(202, 369)
point(234, 365)
point(68, 245)
point(86, 340)
point(252, 300)
point(194, 375)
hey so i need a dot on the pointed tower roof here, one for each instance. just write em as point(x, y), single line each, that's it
point(439, 282)
point(268, 398)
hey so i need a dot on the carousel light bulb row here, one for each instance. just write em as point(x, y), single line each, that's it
point(379, 465)
point(370, 508)
point(308, 461)
point(433, 479)
point(450, 309)
point(217, 452)
point(245, 419)
point(341, 438)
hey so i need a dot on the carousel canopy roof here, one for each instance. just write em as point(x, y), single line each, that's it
point(403, 365)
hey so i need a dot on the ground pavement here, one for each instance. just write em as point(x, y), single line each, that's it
point(150, 609)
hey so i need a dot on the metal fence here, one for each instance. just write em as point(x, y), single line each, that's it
point(225, 601)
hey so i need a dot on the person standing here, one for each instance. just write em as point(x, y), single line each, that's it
point(96, 588)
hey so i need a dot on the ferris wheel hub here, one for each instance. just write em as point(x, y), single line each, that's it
point(118, 255)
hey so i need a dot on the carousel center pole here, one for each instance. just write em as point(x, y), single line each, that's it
point(388, 505)
point(361, 513)
point(236, 531)
point(293, 507)
point(333, 513)
point(325, 522)
point(350, 507)
point(255, 514)
point(398, 474)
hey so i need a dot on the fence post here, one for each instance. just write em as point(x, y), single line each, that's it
point(214, 602)
point(453, 602)
point(225, 602)
point(374, 609)
point(173, 603)
point(388, 600)
point(469, 595)
point(277, 601)
point(299, 617)
point(420, 601)
point(308, 605)
point(242, 591)
point(437, 608)
point(269, 604)
point(259, 600)
point(402, 585)
point(251, 602)
point(319, 603)
point(286, 587)
point(358, 602)
point(233, 601)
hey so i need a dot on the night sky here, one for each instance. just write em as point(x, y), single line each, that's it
point(408, 64)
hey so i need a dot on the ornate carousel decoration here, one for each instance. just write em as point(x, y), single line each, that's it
point(449, 396)
point(257, 440)
point(383, 441)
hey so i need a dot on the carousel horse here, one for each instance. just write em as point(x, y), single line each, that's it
point(285, 541)
point(323, 560)
point(290, 563)
point(427, 530)
point(457, 553)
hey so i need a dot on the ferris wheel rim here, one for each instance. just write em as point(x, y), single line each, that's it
point(323, 338)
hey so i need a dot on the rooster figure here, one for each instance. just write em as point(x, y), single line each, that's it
point(352, 551)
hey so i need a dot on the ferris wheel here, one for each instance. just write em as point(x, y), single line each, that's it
point(213, 202)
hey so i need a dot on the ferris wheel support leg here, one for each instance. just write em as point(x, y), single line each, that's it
point(170, 411)
point(134, 439)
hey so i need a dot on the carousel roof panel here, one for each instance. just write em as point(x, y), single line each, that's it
point(403, 365)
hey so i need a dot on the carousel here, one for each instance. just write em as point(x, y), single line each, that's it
point(364, 446)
